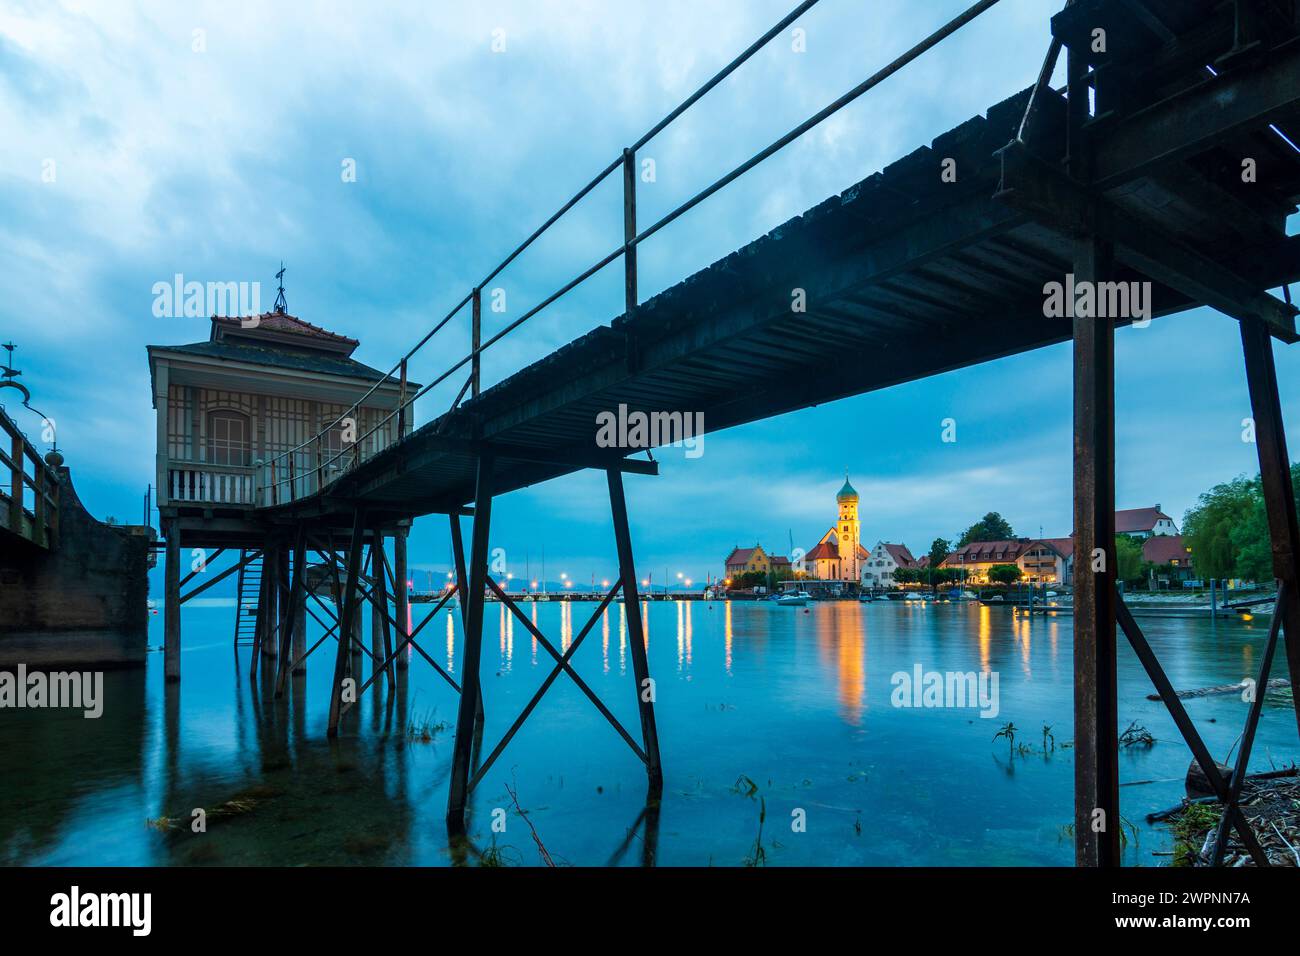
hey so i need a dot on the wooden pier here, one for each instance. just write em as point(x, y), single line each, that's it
point(1131, 175)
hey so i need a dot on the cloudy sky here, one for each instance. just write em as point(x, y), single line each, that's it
point(209, 140)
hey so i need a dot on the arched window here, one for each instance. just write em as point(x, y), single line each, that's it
point(229, 438)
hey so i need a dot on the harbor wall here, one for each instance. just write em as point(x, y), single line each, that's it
point(84, 602)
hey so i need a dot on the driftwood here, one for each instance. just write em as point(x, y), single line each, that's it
point(1273, 684)
point(1177, 808)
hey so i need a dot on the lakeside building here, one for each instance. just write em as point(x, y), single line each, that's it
point(1039, 560)
point(1171, 556)
point(1144, 523)
point(886, 558)
point(743, 560)
point(259, 387)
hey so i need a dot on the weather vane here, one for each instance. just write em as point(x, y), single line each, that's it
point(280, 305)
point(8, 374)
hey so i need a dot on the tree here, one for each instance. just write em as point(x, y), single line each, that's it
point(992, 527)
point(1004, 573)
point(1221, 514)
point(1128, 559)
point(939, 550)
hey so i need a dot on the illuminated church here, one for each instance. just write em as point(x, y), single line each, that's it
point(839, 555)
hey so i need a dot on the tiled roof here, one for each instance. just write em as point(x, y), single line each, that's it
point(823, 550)
point(1138, 519)
point(984, 551)
point(281, 322)
point(779, 561)
point(740, 556)
point(902, 557)
point(1164, 548)
point(322, 362)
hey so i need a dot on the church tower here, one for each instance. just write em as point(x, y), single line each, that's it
point(847, 531)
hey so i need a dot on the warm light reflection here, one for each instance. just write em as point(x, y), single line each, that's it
point(604, 638)
point(726, 635)
point(851, 667)
point(566, 625)
point(622, 639)
point(451, 643)
point(690, 606)
point(985, 635)
point(681, 634)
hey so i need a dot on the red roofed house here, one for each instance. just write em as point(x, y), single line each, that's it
point(742, 560)
point(1039, 561)
point(1172, 558)
point(1144, 522)
point(886, 558)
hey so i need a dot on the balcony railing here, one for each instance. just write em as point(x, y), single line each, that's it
point(209, 484)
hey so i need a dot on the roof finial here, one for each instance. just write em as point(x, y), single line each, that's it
point(280, 305)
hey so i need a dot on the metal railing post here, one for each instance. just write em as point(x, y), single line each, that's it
point(476, 334)
point(401, 404)
point(629, 231)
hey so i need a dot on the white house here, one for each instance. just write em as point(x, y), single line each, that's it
point(886, 558)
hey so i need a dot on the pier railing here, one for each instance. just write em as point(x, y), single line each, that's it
point(29, 507)
point(280, 487)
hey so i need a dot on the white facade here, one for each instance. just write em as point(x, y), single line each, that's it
point(879, 567)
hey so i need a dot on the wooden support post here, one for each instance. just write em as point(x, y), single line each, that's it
point(172, 604)
point(347, 617)
point(635, 631)
point(462, 588)
point(1275, 478)
point(403, 595)
point(300, 633)
point(472, 600)
point(1096, 733)
point(291, 611)
point(378, 600)
point(270, 594)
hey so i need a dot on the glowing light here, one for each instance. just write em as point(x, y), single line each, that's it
point(604, 584)
point(534, 584)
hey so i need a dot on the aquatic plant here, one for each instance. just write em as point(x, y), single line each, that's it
point(758, 855)
point(426, 728)
point(1136, 735)
point(744, 786)
point(1009, 731)
point(1048, 737)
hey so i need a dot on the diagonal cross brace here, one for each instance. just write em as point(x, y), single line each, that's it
point(409, 639)
point(1238, 778)
point(1185, 726)
point(561, 665)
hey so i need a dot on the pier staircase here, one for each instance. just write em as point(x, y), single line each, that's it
point(246, 598)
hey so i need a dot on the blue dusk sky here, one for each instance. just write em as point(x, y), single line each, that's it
point(209, 140)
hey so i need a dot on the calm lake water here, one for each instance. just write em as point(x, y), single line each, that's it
point(798, 703)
